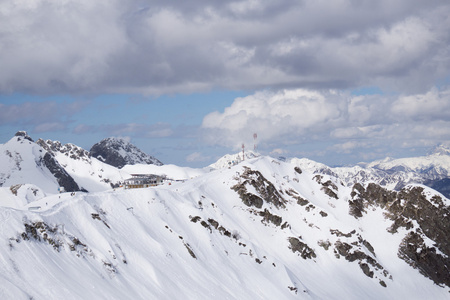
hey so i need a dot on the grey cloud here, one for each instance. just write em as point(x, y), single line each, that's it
point(50, 126)
point(155, 47)
point(138, 130)
point(40, 113)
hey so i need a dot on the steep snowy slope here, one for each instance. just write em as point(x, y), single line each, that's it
point(19, 195)
point(90, 173)
point(22, 161)
point(262, 229)
point(118, 153)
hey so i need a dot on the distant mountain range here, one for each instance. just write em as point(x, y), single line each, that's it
point(432, 170)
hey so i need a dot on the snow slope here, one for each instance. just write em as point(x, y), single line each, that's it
point(21, 162)
point(259, 230)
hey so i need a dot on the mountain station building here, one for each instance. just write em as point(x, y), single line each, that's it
point(142, 181)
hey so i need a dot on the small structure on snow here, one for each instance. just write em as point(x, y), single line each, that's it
point(142, 181)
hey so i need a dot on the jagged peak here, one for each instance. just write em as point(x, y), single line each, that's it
point(116, 140)
point(119, 152)
point(69, 149)
point(24, 134)
point(441, 149)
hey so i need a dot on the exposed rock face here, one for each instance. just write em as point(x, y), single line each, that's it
point(63, 178)
point(24, 134)
point(70, 150)
point(431, 264)
point(328, 187)
point(304, 250)
point(406, 208)
point(42, 158)
point(269, 217)
point(118, 153)
point(265, 189)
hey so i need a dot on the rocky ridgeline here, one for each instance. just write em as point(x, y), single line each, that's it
point(118, 153)
point(352, 246)
point(425, 219)
point(70, 150)
point(425, 246)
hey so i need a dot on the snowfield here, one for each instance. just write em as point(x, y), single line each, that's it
point(261, 229)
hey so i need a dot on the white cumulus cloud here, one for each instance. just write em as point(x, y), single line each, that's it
point(342, 122)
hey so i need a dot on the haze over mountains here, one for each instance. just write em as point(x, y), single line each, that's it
point(259, 228)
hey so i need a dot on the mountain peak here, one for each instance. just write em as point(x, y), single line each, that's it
point(232, 159)
point(23, 134)
point(118, 152)
point(74, 151)
point(440, 150)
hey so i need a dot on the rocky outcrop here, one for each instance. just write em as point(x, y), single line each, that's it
point(329, 188)
point(63, 178)
point(301, 248)
point(430, 263)
point(265, 189)
point(69, 150)
point(24, 135)
point(425, 218)
point(118, 153)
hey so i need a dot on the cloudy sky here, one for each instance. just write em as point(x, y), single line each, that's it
point(337, 81)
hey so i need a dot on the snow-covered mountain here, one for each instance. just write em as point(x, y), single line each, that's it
point(118, 153)
point(51, 166)
point(229, 160)
point(23, 161)
point(261, 229)
point(91, 174)
point(432, 170)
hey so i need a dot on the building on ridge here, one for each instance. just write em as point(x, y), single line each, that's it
point(142, 181)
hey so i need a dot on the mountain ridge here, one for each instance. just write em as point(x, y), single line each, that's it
point(391, 173)
point(118, 153)
point(53, 166)
point(259, 229)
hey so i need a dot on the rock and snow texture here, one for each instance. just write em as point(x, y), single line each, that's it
point(50, 165)
point(262, 229)
point(118, 153)
point(91, 174)
point(23, 161)
point(432, 170)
